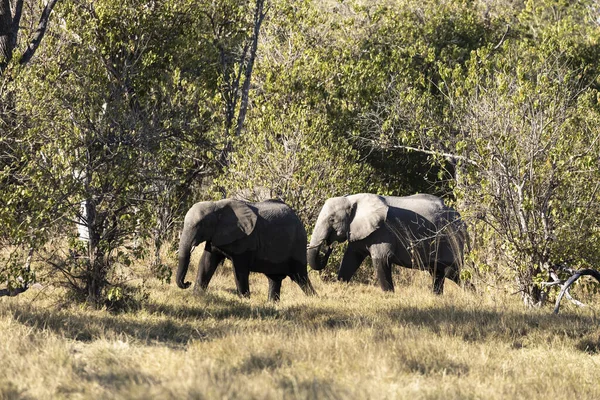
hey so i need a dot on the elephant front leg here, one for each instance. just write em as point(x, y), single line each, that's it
point(206, 269)
point(241, 270)
point(350, 264)
point(384, 274)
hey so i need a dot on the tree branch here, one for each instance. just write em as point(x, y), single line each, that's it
point(259, 16)
point(572, 280)
point(35, 41)
point(454, 157)
point(6, 35)
point(15, 22)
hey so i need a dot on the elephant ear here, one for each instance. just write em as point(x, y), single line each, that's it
point(369, 213)
point(236, 221)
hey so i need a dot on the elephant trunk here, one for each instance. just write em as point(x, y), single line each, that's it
point(315, 259)
point(185, 247)
point(319, 242)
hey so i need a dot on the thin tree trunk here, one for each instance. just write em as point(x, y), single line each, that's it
point(16, 21)
point(232, 94)
point(94, 268)
point(259, 16)
point(6, 35)
point(35, 41)
point(9, 31)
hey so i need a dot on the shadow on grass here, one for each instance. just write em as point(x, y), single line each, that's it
point(9, 390)
point(213, 305)
point(314, 388)
point(176, 324)
point(173, 325)
point(481, 325)
point(89, 327)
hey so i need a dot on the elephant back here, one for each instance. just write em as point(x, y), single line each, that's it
point(427, 206)
point(445, 224)
point(281, 233)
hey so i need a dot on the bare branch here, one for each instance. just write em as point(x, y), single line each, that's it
point(450, 156)
point(574, 301)
point(35, 41)
point(572, 280)
point(503, 38)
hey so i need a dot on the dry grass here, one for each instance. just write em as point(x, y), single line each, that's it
point(352, 341)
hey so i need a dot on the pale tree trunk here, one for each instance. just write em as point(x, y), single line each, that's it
point(259, 16)
point(95, 275)
point(233, 94)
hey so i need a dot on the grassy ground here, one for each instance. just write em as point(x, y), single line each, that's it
point(352, 341)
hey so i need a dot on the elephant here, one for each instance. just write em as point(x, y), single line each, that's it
point(417, 231)
point(265, 237)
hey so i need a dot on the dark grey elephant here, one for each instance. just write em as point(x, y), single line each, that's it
point(265, 237)
point(417, 231)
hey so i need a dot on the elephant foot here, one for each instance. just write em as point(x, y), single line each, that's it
point(438, 285)
point(244, 295)
point(387, 287)
point(309, 290)
point(273, 297)
point(200, 289)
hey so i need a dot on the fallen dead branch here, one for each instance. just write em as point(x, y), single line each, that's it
point(566, 285)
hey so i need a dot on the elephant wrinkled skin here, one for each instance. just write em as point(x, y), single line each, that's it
point(265, 237)
point(417, 231)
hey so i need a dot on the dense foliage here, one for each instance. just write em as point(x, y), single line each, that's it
point(129, 112)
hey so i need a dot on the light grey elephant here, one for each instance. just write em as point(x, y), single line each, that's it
point(265, 237)
point(417, 231)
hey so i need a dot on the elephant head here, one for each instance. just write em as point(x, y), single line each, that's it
point(221, 223)
point(344, 218)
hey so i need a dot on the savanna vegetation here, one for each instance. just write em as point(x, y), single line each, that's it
point(116, 116)
point(352, 341)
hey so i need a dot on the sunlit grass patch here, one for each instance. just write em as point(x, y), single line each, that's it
point(349, 341)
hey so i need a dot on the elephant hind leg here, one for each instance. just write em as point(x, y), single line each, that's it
point(453, 273)
point(302, 280)
point(438, 272)
point(275, 286)
point(438, 283)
